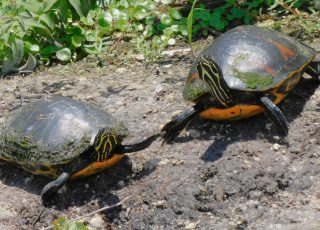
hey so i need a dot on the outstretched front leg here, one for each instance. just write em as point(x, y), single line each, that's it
point(313, 69)
point(173, 128)
point(275, 115)
point(54, 186)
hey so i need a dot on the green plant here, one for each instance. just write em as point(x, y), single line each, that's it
point(143, 18)
point(235, 12)
point(55, 29)
point(63, 224)
point(64, 30)
point(230, 12)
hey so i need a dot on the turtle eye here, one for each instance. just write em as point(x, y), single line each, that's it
point(104, 143)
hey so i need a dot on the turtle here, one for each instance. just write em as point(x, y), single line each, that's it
point(62, 138)
point(245, 71)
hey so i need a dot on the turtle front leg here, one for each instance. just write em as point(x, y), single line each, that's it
point(54, 186)
point(173, 128)
point(313, 69)
point(275, 115)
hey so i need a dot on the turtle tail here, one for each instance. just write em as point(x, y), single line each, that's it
point(120, 149)
point(172, 129)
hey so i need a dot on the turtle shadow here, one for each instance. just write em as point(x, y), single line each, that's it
point(225, 133)
point(92, 193)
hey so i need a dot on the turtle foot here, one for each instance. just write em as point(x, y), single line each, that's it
point(54, 186)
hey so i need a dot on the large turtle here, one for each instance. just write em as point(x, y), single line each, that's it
point(246, 71)
point(62, 138)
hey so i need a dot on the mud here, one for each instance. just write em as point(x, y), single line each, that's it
point(215, 175)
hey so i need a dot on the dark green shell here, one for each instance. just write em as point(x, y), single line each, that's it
point(253, 59)
point(53, 131)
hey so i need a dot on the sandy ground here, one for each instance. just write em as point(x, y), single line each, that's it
point(215, 175)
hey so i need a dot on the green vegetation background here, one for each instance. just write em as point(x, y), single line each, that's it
point(50, 31)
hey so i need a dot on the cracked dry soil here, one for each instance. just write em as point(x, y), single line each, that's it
point(215, 175)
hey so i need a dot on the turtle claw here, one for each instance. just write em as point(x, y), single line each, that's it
point(54, 186)
point(171, 130)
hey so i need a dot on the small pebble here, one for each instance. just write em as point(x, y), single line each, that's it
point(276, 147)
point(96, 222)
point(191, 226)
point(121, 184)
point(294, 149)
point(159, 204)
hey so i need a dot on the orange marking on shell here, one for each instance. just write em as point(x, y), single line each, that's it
point(285, 52)
point(95, 167)
point(270, 71)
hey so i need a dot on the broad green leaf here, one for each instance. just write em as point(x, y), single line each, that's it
point(32, 23)
point(167, 31)
point(17, 47)
point(183, 30)
point(91, 35)
point(64, 54)
point(237, 13)
point(148, 31)
point(174, 28)
point(219, 25)
point(49, 50)
point(123, 23)
point(124, 3)
point(171, 41)
point(47, 20)
point(102, 21)
point(205, 15)
point(32, 6)
point(32, 47)
point(140, 13)
point(220, 10)
point(89, 19)
point(48, 5)
point(166, 19)
point(175, 13)
point(108, 17)
point(214, 19)
point(149, 20)
point(76, 40)
point(77, 6)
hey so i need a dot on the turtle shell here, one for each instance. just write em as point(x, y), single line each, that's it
point(253, 59)
point(53, 131)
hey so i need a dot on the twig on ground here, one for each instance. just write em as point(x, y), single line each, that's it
point(94, 212)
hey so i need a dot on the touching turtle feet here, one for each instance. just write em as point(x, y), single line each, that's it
point(54, 186)
point(171, 130)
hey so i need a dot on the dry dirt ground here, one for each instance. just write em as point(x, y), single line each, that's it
point(215, 175)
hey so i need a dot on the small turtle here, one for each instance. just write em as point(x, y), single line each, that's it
point(62, 138)
point(246, 71)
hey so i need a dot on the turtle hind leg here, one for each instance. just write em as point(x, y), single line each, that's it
point(275, 115)
point(313, 69)
point(54, 186)
point(172, 129)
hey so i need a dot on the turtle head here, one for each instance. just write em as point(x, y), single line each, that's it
point(104, 143)
point(200, 78)
point(210, 73)
point(208, 70)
